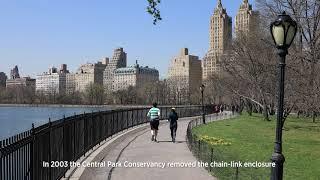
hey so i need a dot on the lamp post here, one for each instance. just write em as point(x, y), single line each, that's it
point(203, 113)
point(283, 31)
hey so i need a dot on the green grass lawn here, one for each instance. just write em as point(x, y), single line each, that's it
point(252, 139)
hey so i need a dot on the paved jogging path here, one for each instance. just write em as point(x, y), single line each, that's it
point(136, 146)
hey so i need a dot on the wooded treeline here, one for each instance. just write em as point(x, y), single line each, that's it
point(96, 94)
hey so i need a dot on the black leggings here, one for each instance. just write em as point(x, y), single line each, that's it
point(173, 129)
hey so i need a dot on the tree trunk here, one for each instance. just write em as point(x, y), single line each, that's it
point(272, 111)
point(265, 112)
point(249, 107)
point(255, 110)
point(260, 109)
point(314, 115)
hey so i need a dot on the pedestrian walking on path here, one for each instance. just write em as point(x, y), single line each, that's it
point(173, 117)
point(154, 114)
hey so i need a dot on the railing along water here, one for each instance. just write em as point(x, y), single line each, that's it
point(43, 153)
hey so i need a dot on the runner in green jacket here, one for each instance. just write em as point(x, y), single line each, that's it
point(154, 115)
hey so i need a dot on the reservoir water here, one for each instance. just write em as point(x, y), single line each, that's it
point(14, 120)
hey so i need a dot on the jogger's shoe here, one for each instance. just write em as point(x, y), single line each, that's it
point(152, 138)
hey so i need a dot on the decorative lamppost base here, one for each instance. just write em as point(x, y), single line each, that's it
point(277, 171)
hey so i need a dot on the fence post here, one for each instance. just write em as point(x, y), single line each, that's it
point(132, 115)
point(65, 141)
point(32, 144)
point(49, 143)
point(112, 123)
point(122, 120)
point(137, 117)
point(127, 119)
point(1, 159)
point(92, 139)
point(199, 149)
point(107, 118)
point(211, 158)
point(100, 127)
point(237, 173)
point(117, 123)
point(74, 139)
point(84, 133)
point(166, 111)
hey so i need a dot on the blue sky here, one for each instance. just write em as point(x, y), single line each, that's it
point(36, 34)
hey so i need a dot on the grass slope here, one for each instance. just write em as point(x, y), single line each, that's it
point(252, 139)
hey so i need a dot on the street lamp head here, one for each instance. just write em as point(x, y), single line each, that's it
point(283, 31)
point(202, 88)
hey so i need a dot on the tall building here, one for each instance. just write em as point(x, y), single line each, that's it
point(220, 39)
point(86, 74)
point(135, 76)
point(53, 81)
point(3, 79)
point(185, 74)
point(119, 60)
point(16, 82)
point(246, 19)
point(14, 73)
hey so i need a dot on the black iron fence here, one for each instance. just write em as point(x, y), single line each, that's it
point(215, 157)
point(43, 153)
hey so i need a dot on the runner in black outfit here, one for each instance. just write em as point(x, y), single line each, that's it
point(173, 117)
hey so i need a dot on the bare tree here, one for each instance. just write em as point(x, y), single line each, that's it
point(94, 94)
point(249, 69)
point(303, 63)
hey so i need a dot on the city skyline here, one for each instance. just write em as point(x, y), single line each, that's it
point(90, 32)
